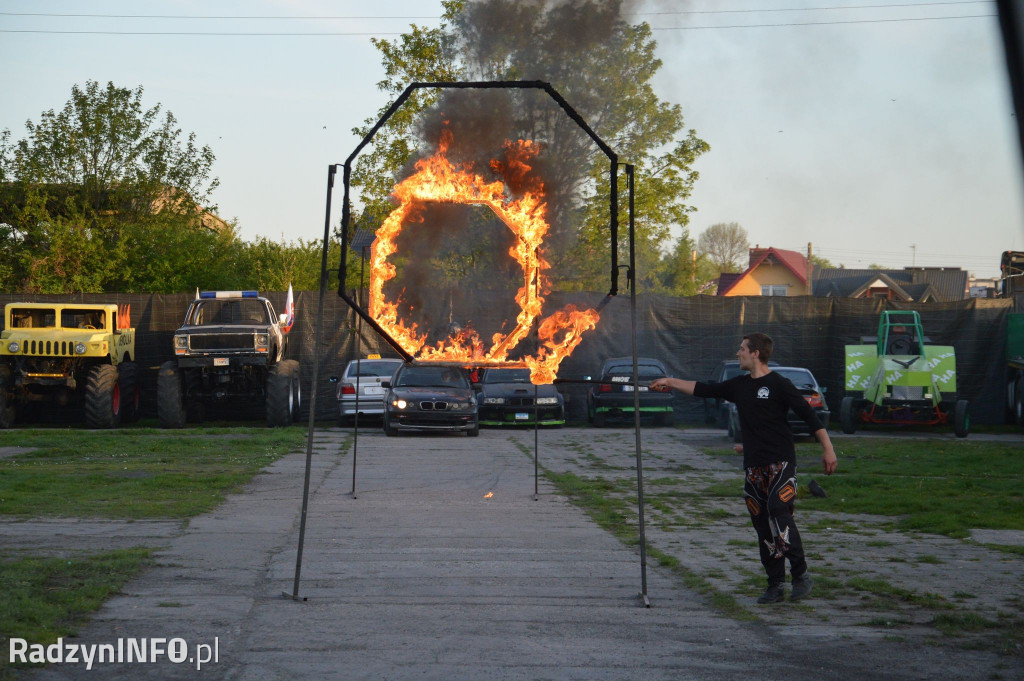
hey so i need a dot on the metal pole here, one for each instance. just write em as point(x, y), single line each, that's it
point(359, 356)
point(536, 407)
point(636, 394)
point(318, 339)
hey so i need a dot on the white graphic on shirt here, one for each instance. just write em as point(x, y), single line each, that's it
point(762, 394)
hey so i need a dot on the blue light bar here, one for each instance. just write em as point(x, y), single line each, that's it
point(229, 294)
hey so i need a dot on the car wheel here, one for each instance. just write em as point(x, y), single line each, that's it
point(600, 419)
point(848, 415)
point(280, 399)
point(474, 431)
point(961, 419)
point(734, 426)
point(1018, 407)
point(389, 430)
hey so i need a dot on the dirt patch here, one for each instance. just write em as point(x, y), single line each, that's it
point(6, 452)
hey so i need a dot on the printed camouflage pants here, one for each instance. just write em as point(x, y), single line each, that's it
point(769, 492)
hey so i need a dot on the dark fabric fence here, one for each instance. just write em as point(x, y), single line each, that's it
point(691, 335)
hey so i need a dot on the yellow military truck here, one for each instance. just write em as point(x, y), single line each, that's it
point(67, 353)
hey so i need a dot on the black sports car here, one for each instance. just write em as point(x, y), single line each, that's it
point(613, 398)
point(506, 398)
point(422, 397)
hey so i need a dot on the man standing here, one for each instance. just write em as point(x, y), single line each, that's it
point(763, 399)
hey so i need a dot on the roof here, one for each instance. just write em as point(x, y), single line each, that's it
point(937, 284)
point(793, 261)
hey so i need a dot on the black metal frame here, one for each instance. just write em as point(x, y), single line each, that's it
point(365, 316)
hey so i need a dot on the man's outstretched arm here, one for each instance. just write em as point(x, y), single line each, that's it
point(664, 384)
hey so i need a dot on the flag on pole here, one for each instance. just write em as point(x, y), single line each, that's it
point(289, 309)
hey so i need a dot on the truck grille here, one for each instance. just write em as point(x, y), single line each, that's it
point(235, 342)
point(48, 348)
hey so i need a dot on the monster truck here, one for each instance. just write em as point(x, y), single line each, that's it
point(64, 353)
point(231, 346)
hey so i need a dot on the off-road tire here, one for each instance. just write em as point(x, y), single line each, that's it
point(170, 403)
point(128, 377)
point(280, 400)
point(961, 419)
point(1018, 403)
point(8, 414)
point(103, 397)
point(296, 381)
point(848, 415)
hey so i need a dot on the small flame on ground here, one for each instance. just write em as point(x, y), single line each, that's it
point(488, 495)
point(437, 180)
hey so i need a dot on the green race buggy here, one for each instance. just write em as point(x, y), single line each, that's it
point(901, 379)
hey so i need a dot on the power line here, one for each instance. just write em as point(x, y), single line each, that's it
point(400, 17)
point(385, 33)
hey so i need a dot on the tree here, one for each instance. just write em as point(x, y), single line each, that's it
point(602, 65)
point(821, 262)
point(725, 244)
point(107, 195)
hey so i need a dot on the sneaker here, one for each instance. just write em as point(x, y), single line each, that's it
point(773, 594)
point(801, 587)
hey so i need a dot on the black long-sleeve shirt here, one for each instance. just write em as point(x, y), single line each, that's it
point(763, 404)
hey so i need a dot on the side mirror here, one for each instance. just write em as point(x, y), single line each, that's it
point(282, 319)
point(333, 379)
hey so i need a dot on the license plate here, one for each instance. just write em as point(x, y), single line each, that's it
point(629, 388)
point(373, 391)
point(521, 416)
point(221, 361)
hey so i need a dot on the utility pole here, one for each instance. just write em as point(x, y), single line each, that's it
point(913, 255)
point(810, 268)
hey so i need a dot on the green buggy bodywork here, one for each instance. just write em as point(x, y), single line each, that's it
point(900, 378)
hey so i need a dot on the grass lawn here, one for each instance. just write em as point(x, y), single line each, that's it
point(47, 598)
point(942, 487)
point(134, 472)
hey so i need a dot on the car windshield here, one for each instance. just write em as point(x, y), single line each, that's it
point(645, 370)
point(507, 376)
point(431, 377)
point(371, 367)
point(82, 319)
point(217, 312)
point(801, 378)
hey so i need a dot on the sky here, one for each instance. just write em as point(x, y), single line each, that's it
point(882, 133)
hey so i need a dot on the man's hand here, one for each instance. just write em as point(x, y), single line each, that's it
point(738, 449)
point(828, 461)
point(660, 385)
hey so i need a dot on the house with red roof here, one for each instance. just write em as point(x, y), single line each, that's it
point(772, 272)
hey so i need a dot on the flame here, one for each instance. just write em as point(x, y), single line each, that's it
point(438, 180)
point(488, 495)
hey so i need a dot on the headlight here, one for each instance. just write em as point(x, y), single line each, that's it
point(13, 347)
point(401, 404)
point(181, 342)
point(80, 348)
point(547, 400)
point(262, 340)
point(458, 405)
point(494, 400)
